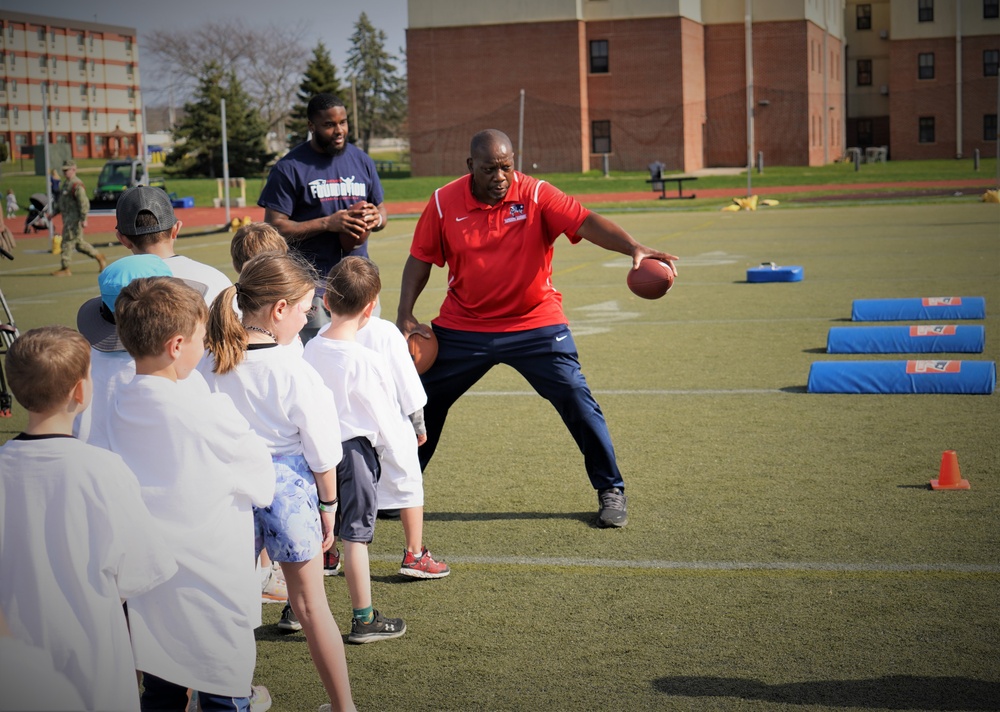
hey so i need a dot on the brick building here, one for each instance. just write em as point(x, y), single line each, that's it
point(923, 76)
point(637, 80)
point(90, 73)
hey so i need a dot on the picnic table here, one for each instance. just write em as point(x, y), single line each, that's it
point(659, 183)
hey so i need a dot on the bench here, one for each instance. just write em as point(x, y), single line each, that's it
point(385, 166)
point(659, 183)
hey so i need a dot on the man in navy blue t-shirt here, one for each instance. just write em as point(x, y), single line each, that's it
point(324, 196)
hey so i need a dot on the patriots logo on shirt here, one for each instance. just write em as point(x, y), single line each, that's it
point(516, 213)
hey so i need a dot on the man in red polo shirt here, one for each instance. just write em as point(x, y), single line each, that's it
point(495, 229)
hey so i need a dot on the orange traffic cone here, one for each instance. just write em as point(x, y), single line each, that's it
point(950, 478)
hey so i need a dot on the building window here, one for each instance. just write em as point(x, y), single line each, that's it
point(41, 35)
point(131, 92)
point(3, 113)
point(3, 85)
point(925, 65)
point(19, 139)
point(79, 39)
point(925, 10)
point(83, 66)
point(93, 91)
point(55, 88)
point(83, 91)
point(864, 21)
point(85, 114)
point(55, 63)
point(864, 72)
point(989, 127)
point(600, 137)
point(17, 115)
point(131, 117)
point(81, 140)
point(128, 45)
point(3, 57)
point(43, 61)
point(991, 9)
point(991, 60)
point(926, 130)
point(599, 57)
point(129, 69)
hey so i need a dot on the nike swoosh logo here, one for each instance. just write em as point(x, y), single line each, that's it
point(461, 219)
point(560, 338)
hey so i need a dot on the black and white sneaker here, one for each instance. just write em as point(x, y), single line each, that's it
point(611, 512)
point(289, 622)
point(381, 628)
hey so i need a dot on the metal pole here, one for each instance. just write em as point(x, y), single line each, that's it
point(958, 80)
point(225, 162)
point(520, 132)
point(142, 129)
point(748, 40)
point(45, 151)
point(354, 108)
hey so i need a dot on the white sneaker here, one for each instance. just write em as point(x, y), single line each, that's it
point(274, 588)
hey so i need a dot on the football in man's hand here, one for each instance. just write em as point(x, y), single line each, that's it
point(651, 279)
point(423, 351)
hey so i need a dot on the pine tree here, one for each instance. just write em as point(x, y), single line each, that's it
point(320, 77)
point(380, 91)
point(198, 138)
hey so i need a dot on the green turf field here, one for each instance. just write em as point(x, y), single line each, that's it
point(783, 551)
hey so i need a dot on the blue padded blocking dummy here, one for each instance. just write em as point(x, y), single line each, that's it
point(939, 308)
point(770, 272)
point(906, 339)
point(964, 377)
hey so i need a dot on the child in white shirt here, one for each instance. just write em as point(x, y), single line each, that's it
point(401, 486)
point(200, 470)
point(76, 537)
point(371, 425)
point(288, 405)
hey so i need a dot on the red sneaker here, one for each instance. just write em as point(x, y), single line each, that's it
point(423, 566)
point(331, 562)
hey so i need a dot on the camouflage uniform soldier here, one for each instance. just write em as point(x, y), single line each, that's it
point(73, 203)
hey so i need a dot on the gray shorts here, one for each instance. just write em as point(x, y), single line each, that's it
point(357, 479)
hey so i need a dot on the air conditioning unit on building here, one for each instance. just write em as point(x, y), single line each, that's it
point(884, 90)
point(883, 34)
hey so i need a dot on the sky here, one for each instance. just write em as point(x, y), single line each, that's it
point(331, 21)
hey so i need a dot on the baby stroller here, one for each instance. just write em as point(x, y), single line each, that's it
point(36, 219)
point(8, 332)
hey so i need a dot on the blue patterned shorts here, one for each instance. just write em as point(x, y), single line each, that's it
point(290, 529)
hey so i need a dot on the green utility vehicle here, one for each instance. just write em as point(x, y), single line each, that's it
point(116, 177)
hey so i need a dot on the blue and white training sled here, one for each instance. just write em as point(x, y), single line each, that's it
point(947, 338)
point(920, 308)
point(770, 272)
point(940, 376)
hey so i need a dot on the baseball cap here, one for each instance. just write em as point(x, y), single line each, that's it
point(68, 164)
point(96, 318)
point(143, 198)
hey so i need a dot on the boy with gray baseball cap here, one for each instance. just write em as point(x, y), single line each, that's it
point(147, 225)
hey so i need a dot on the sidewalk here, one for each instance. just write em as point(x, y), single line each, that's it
point(216, 217)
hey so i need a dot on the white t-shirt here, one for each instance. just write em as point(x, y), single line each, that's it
point(286, 403)
point(30, 682)
point(186, 268)
point(75, 539)
point(109, 370)
point(200, 468)
point(384, 337)
point(366, 400)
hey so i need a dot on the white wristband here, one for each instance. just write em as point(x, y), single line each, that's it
point(380, 221)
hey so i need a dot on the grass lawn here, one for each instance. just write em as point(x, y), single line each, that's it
point(783, 551)
point(399, 186)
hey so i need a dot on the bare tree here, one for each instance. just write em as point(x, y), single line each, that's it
point(268, 61)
